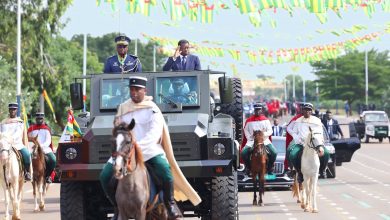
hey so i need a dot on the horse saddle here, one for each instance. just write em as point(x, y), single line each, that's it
point(20, 160)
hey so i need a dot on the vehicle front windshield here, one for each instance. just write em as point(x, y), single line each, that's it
point(180, 89)
point(377, 117)
point(279, 144)
point(113, 92)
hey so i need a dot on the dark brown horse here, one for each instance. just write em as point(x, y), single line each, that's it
point(39, 170)
point(258, 166)
point(133, 178)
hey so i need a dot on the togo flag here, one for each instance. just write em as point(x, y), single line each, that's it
point(72, 127)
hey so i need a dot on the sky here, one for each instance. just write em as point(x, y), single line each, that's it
point(303, 29)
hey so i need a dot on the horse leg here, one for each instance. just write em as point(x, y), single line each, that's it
point(261, 189)
point(34, 184)
point(6, 200)
point(303, 195)
point(254, 189)
point(314, 194)
point(41, 193)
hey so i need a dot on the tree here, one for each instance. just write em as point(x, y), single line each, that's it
point(344, 78)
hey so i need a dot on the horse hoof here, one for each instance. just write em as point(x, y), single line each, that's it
point(303, 206)
point(36, 210)
point(315, 211)
point(42, 208)
point(306, 210)
point(261, 204)
point(254, 203)
point(15, 218)
point(298, 201)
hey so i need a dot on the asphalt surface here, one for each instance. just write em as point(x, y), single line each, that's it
point(361, 190)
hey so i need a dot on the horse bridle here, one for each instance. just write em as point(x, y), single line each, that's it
point(126, 156)
point(312, 145)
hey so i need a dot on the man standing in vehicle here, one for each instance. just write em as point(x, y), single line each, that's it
point(299, 131)
point(122, 62)
point(43, 132)
point(15, 126)
point(258, 122)
point(332, 126)
point(152, 136)
point(182, 60)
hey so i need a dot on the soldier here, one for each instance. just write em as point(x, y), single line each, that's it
point(43, 132)
point(258, 122)
point(299, 131)
point(122, 62)
point(149, 133)
point(15, 126)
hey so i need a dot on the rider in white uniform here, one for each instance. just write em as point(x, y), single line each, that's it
point(15, 126)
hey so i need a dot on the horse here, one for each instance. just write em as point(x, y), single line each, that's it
point(39, 171)
point(133, 178)
point(11, 175)
point(310, 164)
point(258, 166)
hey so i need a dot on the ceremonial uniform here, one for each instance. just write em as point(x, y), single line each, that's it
point(289, 138)
point(261, 123)
point(15, 126)
point(130, 63)
point(299, 130)
point(122, 62)
point(43, 132)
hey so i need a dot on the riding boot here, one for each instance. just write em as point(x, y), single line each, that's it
point(27, 175)
point(169, 201)
point(111, 191)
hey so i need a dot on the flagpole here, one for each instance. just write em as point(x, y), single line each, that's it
point(18, 56)
point(154, 58)
point(85, 73)
point(135, 47)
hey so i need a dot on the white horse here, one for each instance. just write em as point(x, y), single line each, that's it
point(310, 165)
point(11, 177)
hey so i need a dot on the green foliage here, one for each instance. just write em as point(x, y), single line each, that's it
point(104, 47)
point(344, 78)
point(310, 89)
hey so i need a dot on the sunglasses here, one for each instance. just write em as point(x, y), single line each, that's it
point(121, 46)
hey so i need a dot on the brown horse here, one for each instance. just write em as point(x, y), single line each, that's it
point(258, 166)
point(133, 178)
point(39, 170)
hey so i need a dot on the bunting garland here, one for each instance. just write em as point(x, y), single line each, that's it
point(191, 8)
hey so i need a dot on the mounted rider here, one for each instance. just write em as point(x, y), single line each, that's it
point(15, 126)
point(43, 132)
point(152, 136)
point(299, 130)
point(258, 121)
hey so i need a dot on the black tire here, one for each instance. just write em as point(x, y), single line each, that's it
point(224, 204)
point(72, 201)
point(367, 139)
point(81, 201)
point(380, 139)
point(235, 109)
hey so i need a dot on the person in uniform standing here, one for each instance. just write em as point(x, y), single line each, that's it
point(299, 131)
point(182, 60)
point(43, 132)
point(258, 122)
point(151, 134)
point(15, 126)
point(122, 62)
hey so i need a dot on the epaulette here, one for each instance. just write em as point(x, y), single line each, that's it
point(133, 56)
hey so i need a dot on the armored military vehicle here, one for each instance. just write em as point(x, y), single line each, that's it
point(204, 133)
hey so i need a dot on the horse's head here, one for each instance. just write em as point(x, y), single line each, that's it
point(258, 137)
point(36, 147)
point(5, 146)
point(124, 145)
point(315, 138)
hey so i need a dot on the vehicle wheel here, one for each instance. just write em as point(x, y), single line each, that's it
point(235, 108)
point(380, 139)
point(224, 204)
point(72, 201)
point(74, 204)
point(331, 171)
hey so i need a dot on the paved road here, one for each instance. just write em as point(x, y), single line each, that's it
point(360, 191)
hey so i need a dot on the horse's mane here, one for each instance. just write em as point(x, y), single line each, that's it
point(39, 148)
point(138, 155)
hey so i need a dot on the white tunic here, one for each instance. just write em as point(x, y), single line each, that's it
point(299, 129)
point(250, 127)
point(44, 139)
point(15, 129)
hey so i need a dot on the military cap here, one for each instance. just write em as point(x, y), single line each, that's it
point(178, 81)
point(258, 105)
point(308, 106)
point(39, 115)
point(122, 39)
point(13, 105)
point(138, 81)
point(328, 111)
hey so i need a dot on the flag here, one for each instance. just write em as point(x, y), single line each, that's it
point(193, 10)
point(44, 94)
point(265, 4)
point(206, 13)
point(317, 6)
point(72, 127)
point(246, 6)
